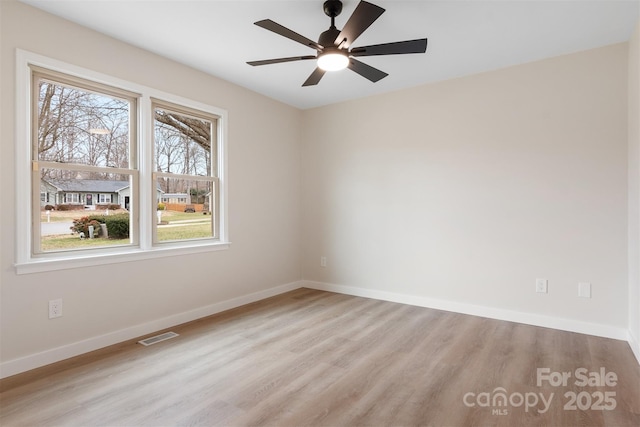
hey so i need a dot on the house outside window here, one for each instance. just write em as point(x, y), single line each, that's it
point(176, 198)
point(82, 142)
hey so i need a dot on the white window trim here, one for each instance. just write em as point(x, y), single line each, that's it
point(102, 198)
point(25, 261)
point(72, 198)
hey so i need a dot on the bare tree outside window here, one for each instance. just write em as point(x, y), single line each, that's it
point(76, 126)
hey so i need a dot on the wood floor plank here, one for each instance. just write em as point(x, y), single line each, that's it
point(312, 358)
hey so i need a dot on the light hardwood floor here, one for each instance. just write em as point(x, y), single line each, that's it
point(317, 358)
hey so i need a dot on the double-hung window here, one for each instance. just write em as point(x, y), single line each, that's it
point(185, 147)
point(104, 152)
point(83, 139)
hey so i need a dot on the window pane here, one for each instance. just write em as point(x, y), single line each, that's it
point(82, 127)
point(182, 143)
point(75, 204)
point(186, 213)
point(105, 198)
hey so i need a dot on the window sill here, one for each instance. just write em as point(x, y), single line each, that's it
point(53, 263)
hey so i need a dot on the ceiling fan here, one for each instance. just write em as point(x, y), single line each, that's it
point(333, 45)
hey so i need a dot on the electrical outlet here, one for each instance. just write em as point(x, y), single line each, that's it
point(323, 261)
point(584, 290)
point(55, 308)
point(541, 285)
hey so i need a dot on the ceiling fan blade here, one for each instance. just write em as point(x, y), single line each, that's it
point(395, 48)
point(315, 77)
point(363, 16)
point(279, 60)
point(366, 71)
point(268, 24)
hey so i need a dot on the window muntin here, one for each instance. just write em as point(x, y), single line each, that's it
point(81, 145)
point(185, 153)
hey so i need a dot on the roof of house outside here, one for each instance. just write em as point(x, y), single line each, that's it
point(89, 185)
point(175, 195)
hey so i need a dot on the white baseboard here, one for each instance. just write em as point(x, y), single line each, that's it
point(478, 310)
point(16, 366)
point(634, 343)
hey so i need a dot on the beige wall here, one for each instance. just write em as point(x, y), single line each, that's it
point(468, 190)
point(634, 190)
point(264, 208)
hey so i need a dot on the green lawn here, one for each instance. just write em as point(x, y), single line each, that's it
point(191, 231)
point(72, 241)
point(165, 233)
point(63, 216)
point(171, 216)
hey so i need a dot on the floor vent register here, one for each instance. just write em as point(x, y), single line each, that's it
point(158, 338)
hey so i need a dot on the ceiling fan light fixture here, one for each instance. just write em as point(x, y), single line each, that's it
point(333, 61)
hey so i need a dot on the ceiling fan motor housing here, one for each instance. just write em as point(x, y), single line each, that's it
point(332, 8)
point(328, 38)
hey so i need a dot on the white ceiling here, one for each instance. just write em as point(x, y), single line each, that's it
point(465, 37)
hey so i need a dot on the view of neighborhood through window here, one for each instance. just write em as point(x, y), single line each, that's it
point(85, 176)
point(185, 145)
point(82, 150)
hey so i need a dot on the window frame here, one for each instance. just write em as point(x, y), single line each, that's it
point(143, 184)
